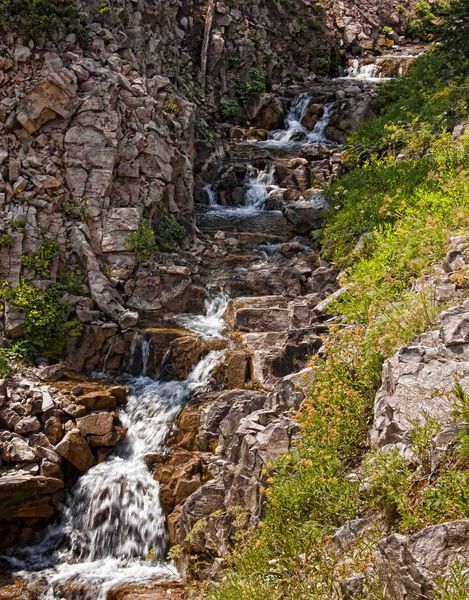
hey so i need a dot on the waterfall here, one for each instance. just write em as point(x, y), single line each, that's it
point(211, 324)
point(112, 527)
point(364, 72)
point(139, 348)
point(318, 135)
point(211, 194)
point(258, 183)
point(295, 133)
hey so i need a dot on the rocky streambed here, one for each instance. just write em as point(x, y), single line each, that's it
point(215, 370)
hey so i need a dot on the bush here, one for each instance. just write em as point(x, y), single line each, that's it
point(149, 239)
point(35, 18)
point(41, 262)
point(47, 318)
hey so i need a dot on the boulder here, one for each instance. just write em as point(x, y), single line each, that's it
point(100, 429)
point(76, 451)
point(407, 566)
point(268, 113)
point(306, 215)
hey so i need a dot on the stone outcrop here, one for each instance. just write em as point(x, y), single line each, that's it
point(419, 377)
point(409, 565)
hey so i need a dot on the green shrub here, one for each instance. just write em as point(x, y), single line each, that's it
point(387, 480)
point(148, 239)
point(47, 318)
point(35, 18)
point(229, 108)
point(41, 262)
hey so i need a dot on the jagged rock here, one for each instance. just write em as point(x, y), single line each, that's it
point(54, 96)
point(268, 113)
point(408, 565)
point(417, 379)
point(75, 450)
point(14, 448)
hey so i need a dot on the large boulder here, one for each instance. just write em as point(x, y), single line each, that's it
point(418, 378)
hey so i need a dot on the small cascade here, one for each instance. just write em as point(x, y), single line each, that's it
point(211, 195)
point(211, 324)
point(363, 71)
point(295, 133)
point(259, 184)
point(318, 135)
point(139, 353)
point(112, 527)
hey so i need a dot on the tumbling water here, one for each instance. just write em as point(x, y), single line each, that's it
point(112, 527)
point(211, 194)
point(363, 72)
point(211, 324)
point(259, 185)
point(295, 133)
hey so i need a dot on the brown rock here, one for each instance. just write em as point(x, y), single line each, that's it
point(76, 451)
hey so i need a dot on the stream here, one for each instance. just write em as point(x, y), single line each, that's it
point(112, 528)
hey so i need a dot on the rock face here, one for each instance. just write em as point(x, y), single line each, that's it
point(409, 565)
point(418, 378)
point(48, 433)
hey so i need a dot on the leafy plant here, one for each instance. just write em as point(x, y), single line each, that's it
point(35, 18)
point(454, 586)
point(148, 239)
point(41, 261)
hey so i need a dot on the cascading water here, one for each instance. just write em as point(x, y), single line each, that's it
point(295, 133)
point(112, 527)
point(362, 71)
point(211, 324)
point(259, 184)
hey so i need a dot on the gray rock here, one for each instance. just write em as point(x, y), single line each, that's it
point(408, 565)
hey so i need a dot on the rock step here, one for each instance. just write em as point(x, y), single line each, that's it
point(272, 222)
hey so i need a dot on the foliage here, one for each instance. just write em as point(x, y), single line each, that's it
point(47, 321)
point(35, 18)
point(41, 261)
point(229, 107)
point(149, 239)
point(252, 88)
point(427, 18)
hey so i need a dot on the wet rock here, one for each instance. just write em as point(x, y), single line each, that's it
point(306, 215)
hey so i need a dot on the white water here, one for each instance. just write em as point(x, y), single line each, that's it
point(259, 184)
point(295, 133)
point(212, 196)
point(211, 324)
point(363, 72)
point(112, 527)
